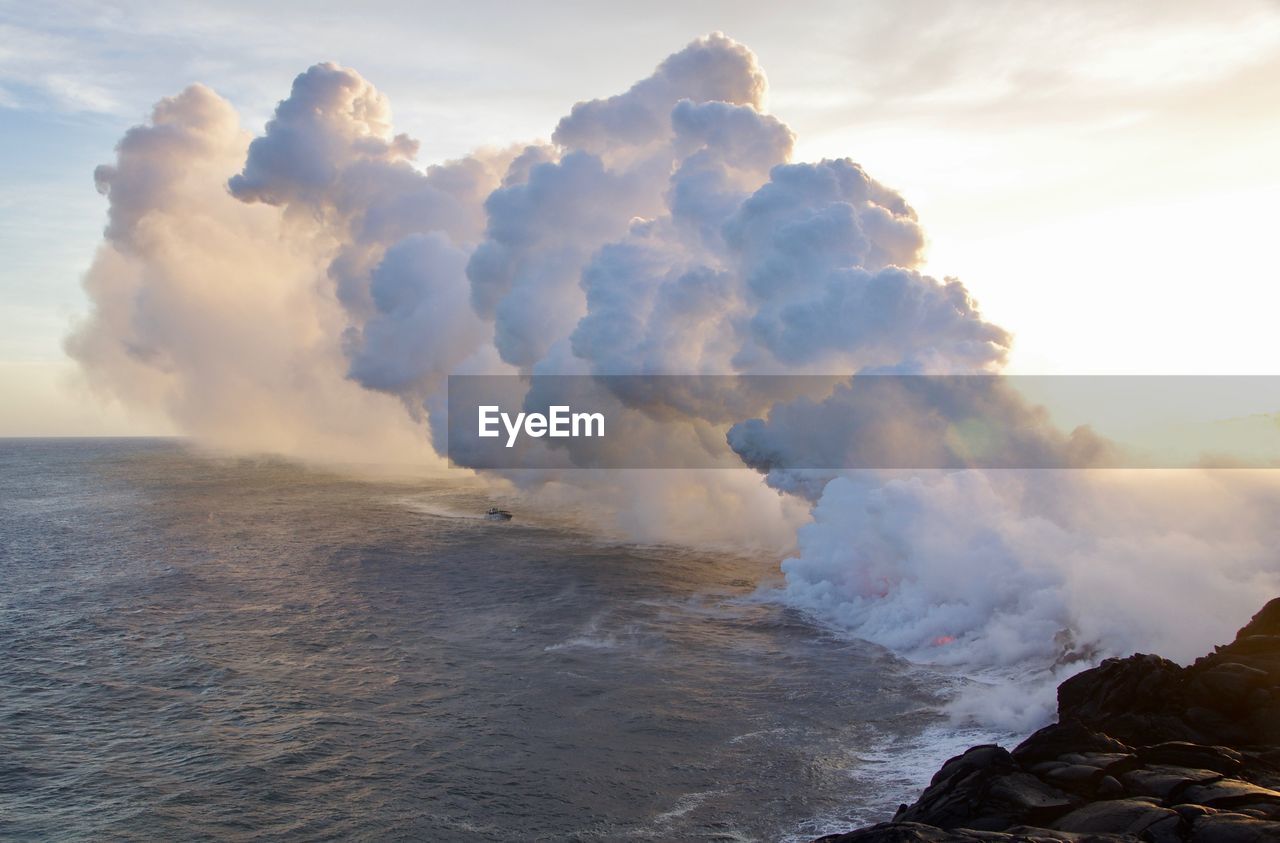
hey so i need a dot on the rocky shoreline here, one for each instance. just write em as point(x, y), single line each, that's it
point(1143, 750)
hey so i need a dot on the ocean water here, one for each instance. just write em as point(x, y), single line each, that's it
point(197, 648)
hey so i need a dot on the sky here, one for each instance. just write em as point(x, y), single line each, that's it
point(1101, 176)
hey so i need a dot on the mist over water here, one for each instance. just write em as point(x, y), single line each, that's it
point(197, 647)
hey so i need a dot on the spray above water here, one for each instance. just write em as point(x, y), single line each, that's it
point(309, 291)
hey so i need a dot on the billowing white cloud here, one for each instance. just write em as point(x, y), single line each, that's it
point(711, 69)
point(208, 310)
point(402, 237)
point(310, 291)
point(1030, 576)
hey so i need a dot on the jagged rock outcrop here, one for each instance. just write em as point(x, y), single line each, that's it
point(1143, 750)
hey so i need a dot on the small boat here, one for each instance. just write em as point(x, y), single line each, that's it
point(495, 514)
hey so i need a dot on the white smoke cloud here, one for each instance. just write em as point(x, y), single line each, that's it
point(310, 291)
point(711, 69)
point(1033, 575)
point(207, 309)
point(402, 236)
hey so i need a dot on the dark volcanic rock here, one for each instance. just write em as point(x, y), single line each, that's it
point(985, 789)
point(1143, 750)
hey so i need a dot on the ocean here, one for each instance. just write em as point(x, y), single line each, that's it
point(211, 648)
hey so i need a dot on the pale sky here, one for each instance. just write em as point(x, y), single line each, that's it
point(1103, 177)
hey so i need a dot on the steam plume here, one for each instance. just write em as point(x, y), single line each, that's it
point(309, 291)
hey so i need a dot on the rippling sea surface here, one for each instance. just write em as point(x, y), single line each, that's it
point(198, 648)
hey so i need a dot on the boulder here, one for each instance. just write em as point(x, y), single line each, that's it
point(1117, 816)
